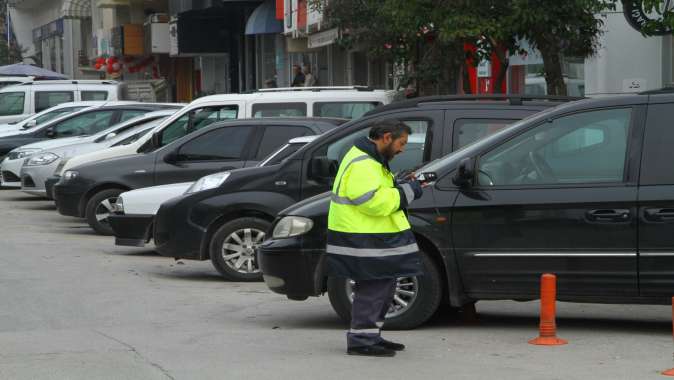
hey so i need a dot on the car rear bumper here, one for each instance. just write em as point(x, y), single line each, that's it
point(290, 270)
point(132, 229)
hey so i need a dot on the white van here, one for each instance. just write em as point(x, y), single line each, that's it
point(22, 100)
point(340, 102)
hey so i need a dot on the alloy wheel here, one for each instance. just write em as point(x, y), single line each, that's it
point(104, 209)
point(238, 250)
point(406, 291)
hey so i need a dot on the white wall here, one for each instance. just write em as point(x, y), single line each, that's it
point(25, 20)
point(626, 56)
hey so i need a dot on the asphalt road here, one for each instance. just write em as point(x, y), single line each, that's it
point(75, 306)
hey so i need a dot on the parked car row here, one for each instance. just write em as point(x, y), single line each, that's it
point(525, 185)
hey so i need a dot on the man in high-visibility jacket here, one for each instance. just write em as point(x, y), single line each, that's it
point(369, 236)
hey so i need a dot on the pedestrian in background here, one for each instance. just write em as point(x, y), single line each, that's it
point(298, 78)
point(309, 78)
point(369, 237)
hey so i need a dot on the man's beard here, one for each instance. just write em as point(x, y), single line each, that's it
point(389, 152)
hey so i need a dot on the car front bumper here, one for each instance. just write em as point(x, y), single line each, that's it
point(11, 172)
point(68, 197)
point(49, 186)
point(289, 269)
point(33, 178)
point(131, 229)
point(174, 234)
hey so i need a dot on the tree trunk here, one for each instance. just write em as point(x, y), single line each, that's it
point(465, 79)
point(552, 65)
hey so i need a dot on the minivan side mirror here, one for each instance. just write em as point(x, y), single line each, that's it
point(30, 124)
point(323, 168)
point(50, 132)
point(171, 157)
point(156, 140)
point(110, 135)
point(465, 173)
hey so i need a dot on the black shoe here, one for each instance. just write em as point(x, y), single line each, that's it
point(391, 345)
point(375, 350)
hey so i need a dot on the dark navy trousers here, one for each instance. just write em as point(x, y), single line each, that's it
point(371, 301)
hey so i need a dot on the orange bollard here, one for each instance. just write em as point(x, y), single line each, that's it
point(548, 326)
point(670, 372)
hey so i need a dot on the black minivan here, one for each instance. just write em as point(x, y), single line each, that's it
point(584, 191)
point(226, 223)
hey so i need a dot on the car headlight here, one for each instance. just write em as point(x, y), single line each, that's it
point(208, 182)
point(70, 174)
point(292, 226)
point(42, 159)
point(60, 166)
point(21, 153)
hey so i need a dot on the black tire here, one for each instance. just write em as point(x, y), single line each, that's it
point(224, 234)
point(94, 208)
point(429, 295)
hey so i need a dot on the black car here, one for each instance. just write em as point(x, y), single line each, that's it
point(85, 122)
point(135, 229)
point(584, 191)
point(207, 224)
point(90, 190)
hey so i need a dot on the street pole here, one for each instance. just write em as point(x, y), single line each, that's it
point(9, 51)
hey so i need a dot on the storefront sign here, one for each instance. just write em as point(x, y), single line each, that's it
point(484, 69)
point(324, 38)
point(639, 19)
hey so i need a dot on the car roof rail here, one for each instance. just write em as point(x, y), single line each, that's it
point(663, 90)
point(66, 81)
point(317, 88)
point(513, 99)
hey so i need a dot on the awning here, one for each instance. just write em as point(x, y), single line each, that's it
point(263, 20)
point(76, 9)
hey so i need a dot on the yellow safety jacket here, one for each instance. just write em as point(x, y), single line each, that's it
point(369, 236)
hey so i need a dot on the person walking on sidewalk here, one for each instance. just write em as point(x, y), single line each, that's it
point(369, 236)
point(298, 79)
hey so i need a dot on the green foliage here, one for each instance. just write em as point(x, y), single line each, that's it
point(427, 37)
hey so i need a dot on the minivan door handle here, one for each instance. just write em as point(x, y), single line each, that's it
point(609, 215)
point(659, 213)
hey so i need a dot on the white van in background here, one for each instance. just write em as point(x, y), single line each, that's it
point(336, 102)
point(19, 101)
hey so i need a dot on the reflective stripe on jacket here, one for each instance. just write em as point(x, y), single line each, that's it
point(369, 236)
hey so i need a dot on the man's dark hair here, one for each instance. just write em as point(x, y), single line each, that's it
point(393, 126)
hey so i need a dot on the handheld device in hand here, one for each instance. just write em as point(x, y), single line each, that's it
point(425, 178)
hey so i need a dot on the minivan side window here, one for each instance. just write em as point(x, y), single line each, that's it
point(48, 99)
point(658, 154)
point(412, 156)
point(130, 114)
point(279, 110)
point(11, 103)
point(84, 124)
point(468, 131)
point(94, 95)
point(196, 119)
point(345, 110)
point(275, 134)
point(558, 152)
point(56, 113)
point(222, 144)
